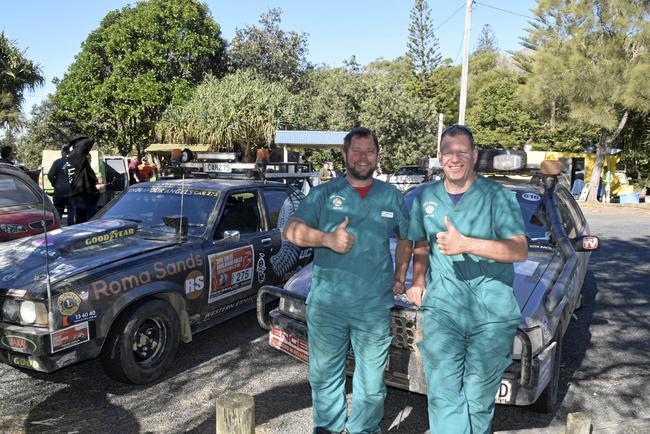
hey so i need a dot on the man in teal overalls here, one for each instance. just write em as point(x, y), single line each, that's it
point(468, 231)
point(349, 222)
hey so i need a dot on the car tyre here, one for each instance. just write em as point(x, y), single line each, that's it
point(142, 343)
point(549, 398)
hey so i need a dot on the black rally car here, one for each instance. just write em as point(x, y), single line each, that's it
point(547, 287)
point(163, 261)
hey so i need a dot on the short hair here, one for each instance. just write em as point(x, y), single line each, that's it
point(6, 151)
point(458, 130)
point(359, 132)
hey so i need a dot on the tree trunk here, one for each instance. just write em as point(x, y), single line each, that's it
point(603, 141)
point(553, 110)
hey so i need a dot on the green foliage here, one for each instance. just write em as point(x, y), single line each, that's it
point(423, 46)
point(590, 62)
point(17, 75)
point(138, 61)
point(270, 51)
point(241, 108)
point(487, 41)
point(43, 132)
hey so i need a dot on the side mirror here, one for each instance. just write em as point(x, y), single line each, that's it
point(587, 243)
point(231, 236)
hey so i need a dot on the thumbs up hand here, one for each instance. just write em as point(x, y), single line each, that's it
point(451, 242)
point(341, 240)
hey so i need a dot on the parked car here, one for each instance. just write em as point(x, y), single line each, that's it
point(159, 264)
point(24, 208)
point(547, 288)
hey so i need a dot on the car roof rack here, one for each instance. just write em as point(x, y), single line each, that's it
point(223, 165)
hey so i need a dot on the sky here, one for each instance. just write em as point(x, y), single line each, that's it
point(51, 32)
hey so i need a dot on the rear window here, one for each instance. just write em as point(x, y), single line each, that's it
point(14, 191)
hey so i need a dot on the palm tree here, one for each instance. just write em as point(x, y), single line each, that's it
point(17, 74)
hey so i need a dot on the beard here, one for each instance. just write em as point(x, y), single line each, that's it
point(360, 174)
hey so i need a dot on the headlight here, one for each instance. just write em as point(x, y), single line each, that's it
point(10, 310)
point(294, 308)
point(33, 313)
point(11, 228)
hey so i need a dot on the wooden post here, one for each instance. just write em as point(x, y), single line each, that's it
point(578, 423)
point(236, 414)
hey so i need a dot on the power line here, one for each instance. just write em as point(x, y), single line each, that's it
point(504, 10)
point(449, 18)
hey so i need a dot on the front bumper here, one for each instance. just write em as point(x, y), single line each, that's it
point(405, 370)
point(37, 349)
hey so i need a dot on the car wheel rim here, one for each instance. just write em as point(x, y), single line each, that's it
point(149, 341)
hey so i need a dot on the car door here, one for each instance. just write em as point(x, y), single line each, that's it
point(280, 205)
point(235, 268)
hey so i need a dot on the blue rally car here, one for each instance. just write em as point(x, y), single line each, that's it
point(547, 288)
point(163, 261)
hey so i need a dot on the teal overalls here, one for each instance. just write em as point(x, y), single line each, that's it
point(350, 301)
point(470, 312)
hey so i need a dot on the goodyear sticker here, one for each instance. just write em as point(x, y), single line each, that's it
point(68, 303)
point(108, 236)
point(24, 362)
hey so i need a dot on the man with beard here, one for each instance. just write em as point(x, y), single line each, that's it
point(349, 222)
point(468, 230)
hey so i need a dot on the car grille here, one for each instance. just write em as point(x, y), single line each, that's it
point(404, 327)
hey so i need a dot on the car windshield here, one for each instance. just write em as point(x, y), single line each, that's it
point(14, 191)
point(532, 209)
point(148, 205)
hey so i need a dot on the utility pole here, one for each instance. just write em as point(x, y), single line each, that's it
point(464, 73)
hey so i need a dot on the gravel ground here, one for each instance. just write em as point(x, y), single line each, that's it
point(605, 370)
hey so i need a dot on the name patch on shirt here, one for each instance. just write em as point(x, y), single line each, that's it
point(387, 214)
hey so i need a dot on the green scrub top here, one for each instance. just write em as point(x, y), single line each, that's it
point(486, 210)
point(361, 279)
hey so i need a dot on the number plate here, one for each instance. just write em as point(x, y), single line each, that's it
point(217, 167)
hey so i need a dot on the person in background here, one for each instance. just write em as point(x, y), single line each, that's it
point(349, 222)
point(7, 155)
point(468, 230)
point(324, 174)
point(262, 158)
point(148, 172)
point(82, 178)
point(330, 168)
point(134, 172)
point(58, 176)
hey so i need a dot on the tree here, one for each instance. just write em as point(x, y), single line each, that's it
point(43, 132)
point(139, 60)
point(423, 49)
point(487, 41)
point(602, 46)
point(270, 51)
point(17, 75)
point(240, 108)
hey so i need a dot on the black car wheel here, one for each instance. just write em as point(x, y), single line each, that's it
point(142, 343)
point(548, 400)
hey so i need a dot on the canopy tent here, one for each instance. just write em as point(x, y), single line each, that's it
point(308, 139)
point(166, 147)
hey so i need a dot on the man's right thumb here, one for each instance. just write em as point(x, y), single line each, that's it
point(343, 225)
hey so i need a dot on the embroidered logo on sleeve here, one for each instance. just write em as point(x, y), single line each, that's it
point(387, 214)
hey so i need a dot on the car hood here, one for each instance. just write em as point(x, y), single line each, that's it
point(527, 276)
point(70, 251)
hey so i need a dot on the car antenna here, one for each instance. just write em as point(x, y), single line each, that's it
point(180, 220)
point(48, 284)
